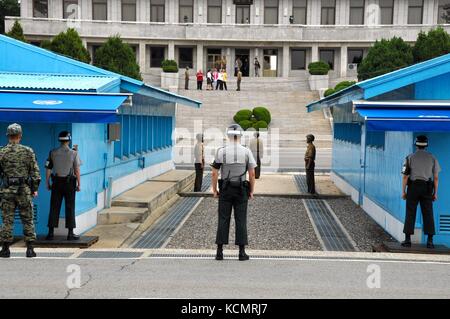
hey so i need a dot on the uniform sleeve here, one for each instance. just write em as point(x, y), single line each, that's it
point(251, 160)
point(76, 161)
point(35, 175)
point(436, 167)
point(49, 162)
point(218, 160)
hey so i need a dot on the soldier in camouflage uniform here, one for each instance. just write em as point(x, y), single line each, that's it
point(20, 181)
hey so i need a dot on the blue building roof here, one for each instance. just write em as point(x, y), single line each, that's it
point(387, 82)
point(37, 60)
point(60, 82)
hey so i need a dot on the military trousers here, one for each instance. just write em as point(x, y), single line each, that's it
point(9, 203)
point(233, 198)
point(62, 188)
point(419, 192)
point(198, 177)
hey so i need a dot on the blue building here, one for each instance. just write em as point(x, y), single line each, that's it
point(375, 124)
point(47, 93)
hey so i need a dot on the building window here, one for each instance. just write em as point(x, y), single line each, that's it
point(156, 56)
point(298, 59)
point(355, 56)
point(357, 12)
point(328, 12)
point(99, 9)
point(415, 11)
point(386, 12)
point(186, 11)
point(328, 57)
point(157, 11)
point(443, 12)
point(270, 11)
point(242, 14)
point(70, 9)
point(128, 10)
point(40, 8)
point(214, 11)
point(186, 58)
point(299, 8)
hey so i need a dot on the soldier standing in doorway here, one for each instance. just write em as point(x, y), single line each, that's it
point(310, 164)
point(20, 176)
point(186, 79)
point(63, 168)
point(420, 185)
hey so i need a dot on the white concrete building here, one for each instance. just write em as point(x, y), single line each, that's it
point(285, 35)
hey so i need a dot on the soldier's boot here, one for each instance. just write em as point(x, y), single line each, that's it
point(51, 234)
point(242, 255)
point(5, 253)
point(430, 242)
point(407, 242)
point(30, 250)
point(219, 254)
point(72, 236)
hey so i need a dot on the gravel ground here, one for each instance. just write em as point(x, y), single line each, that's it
point(273, 224)
point(361, 227)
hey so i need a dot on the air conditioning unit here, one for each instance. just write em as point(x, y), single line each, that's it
point(352, 66)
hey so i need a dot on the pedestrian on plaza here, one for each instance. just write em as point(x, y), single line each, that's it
point(225, 79)
point(209, 80)
point(239, 80)
point(220, 80)
point(310, 164)
point(186, 79)
point(20, 177)
point(257, 148)
point(215, 79)
point(257, 67)
point(199, 80)
point(199, 157)
point(233, 161)
point(237, 66)
point(420, 185)
point(63, 170)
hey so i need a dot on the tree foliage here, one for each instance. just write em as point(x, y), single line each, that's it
point(16, 32)
point(384, 57)
point(69, 44)
point(116, 56)
point(8, 8)
point(431, 45)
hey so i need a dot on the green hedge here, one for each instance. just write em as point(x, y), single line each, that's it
point(258, 118)
point(262, 114)
point(329, 92)
point(343, 85)
point(169, 66)
point(260, 125)
point(318, 68)
point(246, 124)
point(243, 115)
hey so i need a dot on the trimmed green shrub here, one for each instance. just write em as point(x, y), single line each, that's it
point(260, 125)
point(16, 32)
point(68, 43)
point(431, 45)
point(342, 85)
point(169, 66)
point(246, 124)
point(262, 114)
point(318, 68)
point(243, 115)
point(329, 92)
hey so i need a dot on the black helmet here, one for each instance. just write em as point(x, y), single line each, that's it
point(421, 141)
point(64, 136)
point(235, 130)
point(310, 138)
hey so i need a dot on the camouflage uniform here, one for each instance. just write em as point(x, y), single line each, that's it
point(18, 161)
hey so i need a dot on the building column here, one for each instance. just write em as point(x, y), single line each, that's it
point(344, 61)
point(286, 62)
point(200, 57)
point(171, 51)
point(315, 53)
point(142, 57)
point(25, 9)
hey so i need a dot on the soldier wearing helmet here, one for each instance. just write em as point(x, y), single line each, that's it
point(420, 185)
point(63, 169)
point(310, 164)
point(199, 157)
point(21, 179)
point(234, 162)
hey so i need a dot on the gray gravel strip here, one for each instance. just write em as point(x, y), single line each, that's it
point(361, 227)
point(273, 224)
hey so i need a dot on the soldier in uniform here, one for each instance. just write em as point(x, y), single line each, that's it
point(63, 169)
point(310, 157)
point(233, 161)
point(420, 185)
point(20, 182)
point(199, 155)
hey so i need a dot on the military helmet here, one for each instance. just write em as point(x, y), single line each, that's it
point(310, 138)
point(235, 130)
point(64, 136)
point(14, 129)
point(421, 141)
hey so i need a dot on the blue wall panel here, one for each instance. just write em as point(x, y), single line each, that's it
point(437, 88)
point(346, 163)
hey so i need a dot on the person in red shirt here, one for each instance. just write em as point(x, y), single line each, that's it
point(199, 80)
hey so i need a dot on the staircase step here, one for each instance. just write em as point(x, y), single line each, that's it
point(122, 215)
